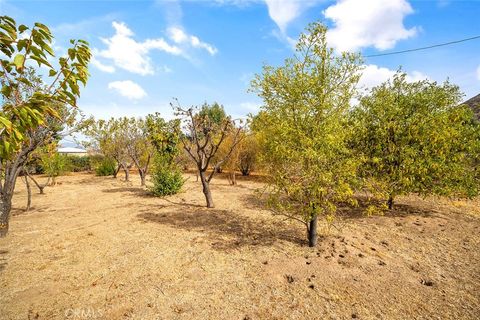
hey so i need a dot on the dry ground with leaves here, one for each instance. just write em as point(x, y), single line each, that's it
point(99, 248)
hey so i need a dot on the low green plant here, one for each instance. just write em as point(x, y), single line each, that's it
point(106, 167)
point(79, 164)
point(166, 177)
point(54, 165)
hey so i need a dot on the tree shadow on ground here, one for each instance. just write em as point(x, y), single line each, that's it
point(348, 211)
point(3, 259)
point(225, 229)
point(359, 211)
point(17, 211)
point(137, 191)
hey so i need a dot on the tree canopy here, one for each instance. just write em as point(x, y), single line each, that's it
point(415, 137)
point(302, 125)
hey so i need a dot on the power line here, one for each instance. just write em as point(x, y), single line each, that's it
point(422, 48)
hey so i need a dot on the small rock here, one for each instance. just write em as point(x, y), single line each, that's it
point(289, 278)
point(426, 282)
point(354, 316)
point(311, 286)
point(341, 256)
point(361, 255)
point(308, 262)
point(265, 262)
point(373, 249)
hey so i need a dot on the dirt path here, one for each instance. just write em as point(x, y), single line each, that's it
point(98, 248)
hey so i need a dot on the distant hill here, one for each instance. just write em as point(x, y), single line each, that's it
point(474, 103)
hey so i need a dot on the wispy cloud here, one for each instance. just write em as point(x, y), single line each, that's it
point(129, 54)
point(180, 37)
point(128, 89)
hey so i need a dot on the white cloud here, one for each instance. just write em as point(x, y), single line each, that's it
point(282, 12)
point(478, 73)
point(373, 75)
point(179, 36)
point(101, 66)
point(128, 54)
point(128, 89)
point(359, 24)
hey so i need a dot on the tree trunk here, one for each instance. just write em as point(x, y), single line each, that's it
point(39, 186)
point(232, 178)
point(142, 177)
point(127, 173)
point(390, 202)
point(312, 231)
point(115, 173)
point(206, 190)
point(29, 193)
point(5, 208)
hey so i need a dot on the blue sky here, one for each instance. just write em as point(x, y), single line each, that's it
point(146, 52)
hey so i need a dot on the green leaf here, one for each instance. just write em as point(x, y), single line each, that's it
point(41, 61)
point(22, 28)
point(19, 60)
point(52, 73)
point(6, 90)
point(71, 53)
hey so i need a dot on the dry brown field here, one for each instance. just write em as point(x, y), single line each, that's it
point(100, 248)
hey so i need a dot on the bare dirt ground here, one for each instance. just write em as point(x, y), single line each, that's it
point(99, 248)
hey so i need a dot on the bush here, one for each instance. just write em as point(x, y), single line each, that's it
point(166, 176)
point(54, 165)
point(166, 181)
point(106, 167)
point(78, 164)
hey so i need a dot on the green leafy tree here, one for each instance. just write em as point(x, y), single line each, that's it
point(32, 113)
point(165, 137)
point(248, 153)
point(303, 133)
point(416, 138)
point(204, 133)
point(107, 138)
point(139, 146)
point(53, 163)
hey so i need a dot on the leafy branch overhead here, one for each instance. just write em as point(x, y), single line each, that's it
point(22, 46)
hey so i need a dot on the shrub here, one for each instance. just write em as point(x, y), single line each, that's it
point(166, 181)
point(166, 176)
point(54, 165)
point(106, 167)
point(78, 164)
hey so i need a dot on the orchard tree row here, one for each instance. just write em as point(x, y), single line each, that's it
point(317, 138)
point(320, 149)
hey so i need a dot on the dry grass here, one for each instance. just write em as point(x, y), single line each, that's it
point(100, 248)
